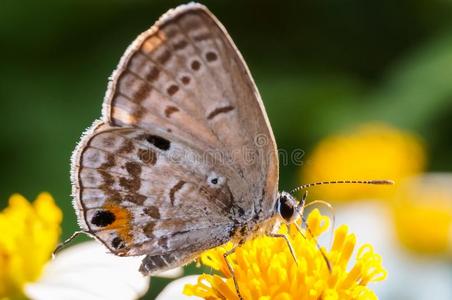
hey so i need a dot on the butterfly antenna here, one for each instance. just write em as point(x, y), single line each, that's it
point(300, 208)
point(308, 185)
point(67, 241)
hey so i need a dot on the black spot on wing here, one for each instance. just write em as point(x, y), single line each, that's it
point(117, 243)
point(159, 142)
point(195, 65)
point(103, 218)
point(211, 56)
point(172, 89)
point(185, 79)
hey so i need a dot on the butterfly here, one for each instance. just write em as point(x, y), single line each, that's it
point(184, 158)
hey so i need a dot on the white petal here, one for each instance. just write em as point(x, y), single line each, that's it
point(86, 271)
point(372, 222)
point(174, 289)
point(173, 273)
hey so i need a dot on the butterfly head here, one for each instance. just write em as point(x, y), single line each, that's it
point(288, 208)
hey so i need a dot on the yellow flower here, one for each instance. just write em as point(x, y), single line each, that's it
point(373, 151)
point(28, 235)
point(265, 269)
point(423, 213)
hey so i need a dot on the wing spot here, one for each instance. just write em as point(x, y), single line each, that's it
point(241, 212)
point(180, 45)
point(107, 179)
point(117, 243)
point(153, 74)
point(185, 80)
point(126, 147)
point(172, 89)
point(174, 189)
point(136, 198)
point(142, 93)
point(215, 181)
point(164, 57)
point(159, 142)
point(153, 212)
point(211, 56)
point(195, 65)
point(219, 110)
point(133, 168)
point(202, 36)
point(137, 115)
point(169, 110)
point(103, 218)
point(134, 183)
point(148, 230)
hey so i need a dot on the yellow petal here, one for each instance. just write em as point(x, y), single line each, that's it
point(29, 235)
point(265, 269)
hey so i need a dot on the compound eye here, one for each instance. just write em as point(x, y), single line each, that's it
point(286, 209)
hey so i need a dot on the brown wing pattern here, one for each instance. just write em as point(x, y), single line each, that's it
point(186, 76)
point(184, 149)
point(139, 196)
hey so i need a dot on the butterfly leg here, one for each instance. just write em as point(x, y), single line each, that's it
point(283, 236)
point(226, 255)
point(327, 261)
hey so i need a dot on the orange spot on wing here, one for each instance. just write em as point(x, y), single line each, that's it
point(153, 43)
point(122, 223)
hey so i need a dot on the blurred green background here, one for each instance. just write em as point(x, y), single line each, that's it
point(320, 66)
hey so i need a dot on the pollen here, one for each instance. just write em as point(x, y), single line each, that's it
point(265, 269)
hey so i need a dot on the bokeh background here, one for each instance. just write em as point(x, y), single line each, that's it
point(324, 69)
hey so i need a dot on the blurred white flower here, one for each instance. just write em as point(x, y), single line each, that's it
point(86, 271)
point(174, 289)
point(411, 276)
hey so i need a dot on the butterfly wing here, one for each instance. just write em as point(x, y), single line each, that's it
point(186, 75)
point(140, 193)
point(184, 151)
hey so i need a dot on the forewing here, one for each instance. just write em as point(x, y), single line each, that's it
point(142, 192)
point(185, 77)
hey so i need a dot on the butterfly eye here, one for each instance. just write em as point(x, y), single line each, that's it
point(286, 207)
